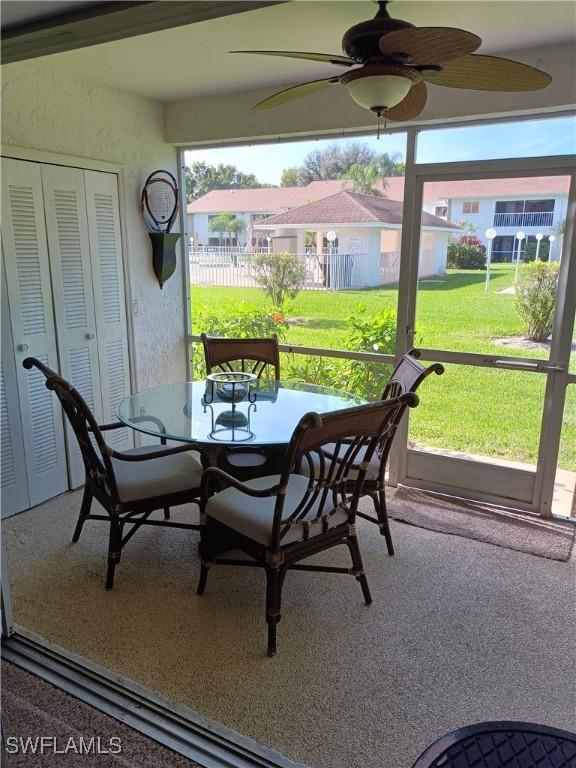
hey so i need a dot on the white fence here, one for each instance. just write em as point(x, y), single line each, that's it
point(235, 268)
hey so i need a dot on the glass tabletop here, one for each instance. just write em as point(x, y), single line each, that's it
point(265, 413)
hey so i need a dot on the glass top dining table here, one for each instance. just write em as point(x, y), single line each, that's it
point(199, 412)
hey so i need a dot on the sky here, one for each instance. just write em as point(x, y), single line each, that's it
point(552, 136)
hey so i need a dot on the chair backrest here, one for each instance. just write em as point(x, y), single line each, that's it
point(96, 460)
point(352, 436)
point(408, 375)
point(249, 355)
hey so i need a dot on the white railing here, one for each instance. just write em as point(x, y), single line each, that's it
point(535, 219)
point(233, 267)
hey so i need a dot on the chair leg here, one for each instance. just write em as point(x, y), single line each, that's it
point(114, 548)
point(383, 523)
point(204, 568)
point(205, 552)
point(358, 566)
point(166, 513)
point(84, 512)
point(274, 581)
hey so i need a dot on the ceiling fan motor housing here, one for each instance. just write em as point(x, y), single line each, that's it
point(360, 42)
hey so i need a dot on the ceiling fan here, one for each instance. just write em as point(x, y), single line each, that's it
point(389, 62)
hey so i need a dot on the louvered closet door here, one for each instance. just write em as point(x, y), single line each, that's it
point(69, 248)
point(13, 470)
point(108, 282)
point(30, 301)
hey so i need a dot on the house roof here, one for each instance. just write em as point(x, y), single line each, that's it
point(263, 200)
point(277, 199)
point(349, 208)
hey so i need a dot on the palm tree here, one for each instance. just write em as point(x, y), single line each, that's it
point(226, 224)
point(363, 178)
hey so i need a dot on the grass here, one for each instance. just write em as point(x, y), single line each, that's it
point(477, 410)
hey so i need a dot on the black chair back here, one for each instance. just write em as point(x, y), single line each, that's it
point(247, 355)
point(93, 448)
point(352, 436)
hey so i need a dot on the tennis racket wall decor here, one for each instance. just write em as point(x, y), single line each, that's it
point(159, 205)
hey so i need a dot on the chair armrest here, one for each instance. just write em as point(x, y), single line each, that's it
point(111, 425)
point(215, 474)
point(136, 420)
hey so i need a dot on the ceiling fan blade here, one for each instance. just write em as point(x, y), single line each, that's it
point(295, 92)
point(329, 58)
point(429, 45)
point(411, 105)
point(489, 73)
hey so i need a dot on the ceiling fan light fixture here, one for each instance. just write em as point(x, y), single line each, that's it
point(379, 92)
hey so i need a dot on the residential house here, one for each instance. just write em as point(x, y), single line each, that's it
point(368, 231)
point(531, 205)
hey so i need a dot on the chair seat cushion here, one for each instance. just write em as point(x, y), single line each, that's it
point(371, 472)
point(253, 517)
point(157, 477)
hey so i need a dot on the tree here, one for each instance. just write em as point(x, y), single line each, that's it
point(289, 177)
point(201, 178)
point(363, 178)
point(332, 162)
point(280, 275)
point(390, 165)
point(226, 223)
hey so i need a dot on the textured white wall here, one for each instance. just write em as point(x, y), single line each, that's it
point(50, 111)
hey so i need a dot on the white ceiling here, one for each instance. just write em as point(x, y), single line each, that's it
point(194, 60)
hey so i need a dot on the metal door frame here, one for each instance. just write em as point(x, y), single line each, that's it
point(555, 370)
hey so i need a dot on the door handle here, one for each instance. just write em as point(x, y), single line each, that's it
point(520, 365)
point(90, 336)
point(523, 365)
point(22, 348)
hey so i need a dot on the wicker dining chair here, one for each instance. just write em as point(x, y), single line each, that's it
point(260, 357)
point(406, 377)
point(131, 484)
point(282, 519)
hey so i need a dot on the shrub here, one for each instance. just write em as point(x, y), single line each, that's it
point(543, 253)
point(374, 333)
point(280, 275)
point(536, 298)
point(369, 333)
point(467, 252)
point(238, 320)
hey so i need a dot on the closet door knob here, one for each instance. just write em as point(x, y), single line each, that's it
point(22, 347)
point(89, 336)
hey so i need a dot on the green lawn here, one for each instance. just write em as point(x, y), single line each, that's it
point(485, 411)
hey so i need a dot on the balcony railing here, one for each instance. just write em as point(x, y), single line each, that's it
point(534, 219)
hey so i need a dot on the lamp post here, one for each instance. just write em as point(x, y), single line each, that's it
point(268, 240)
point(539, 237)
point(490, 234)
point(329, 272)
point(519, 236)
point(551, 239)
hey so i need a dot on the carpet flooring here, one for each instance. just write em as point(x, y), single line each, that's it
point(460, 631)
point(82, 736)
point(484, 522)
